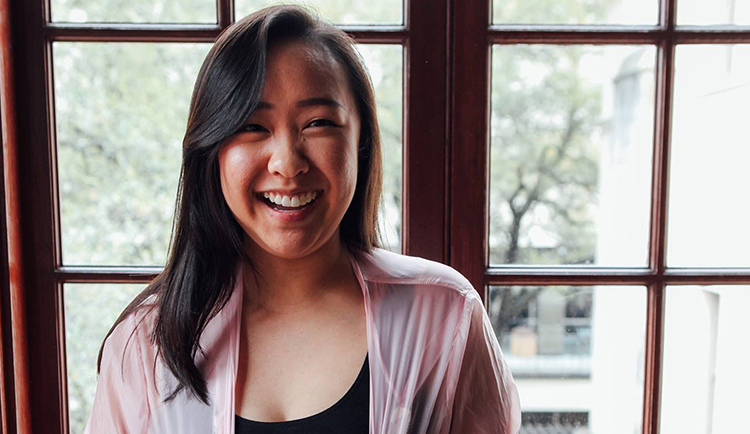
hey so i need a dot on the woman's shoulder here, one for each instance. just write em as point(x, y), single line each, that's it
point(141, 318)
point(130, 338)
point(384, 266)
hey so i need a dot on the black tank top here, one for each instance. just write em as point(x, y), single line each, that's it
point(350, 415)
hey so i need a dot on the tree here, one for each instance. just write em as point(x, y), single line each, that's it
point(543, 161)
point(543, 154)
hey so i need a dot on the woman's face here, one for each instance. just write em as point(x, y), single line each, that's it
point(299, 149)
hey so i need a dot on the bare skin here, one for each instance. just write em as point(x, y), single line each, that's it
point(299, 359)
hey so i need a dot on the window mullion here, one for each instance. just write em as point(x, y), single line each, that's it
point(653, 356)
point(224, 13)
point(659, 209)
point(469, 140)
point(668, 14)
point(425, 133)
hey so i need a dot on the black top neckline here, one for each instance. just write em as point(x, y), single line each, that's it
point(361, 377)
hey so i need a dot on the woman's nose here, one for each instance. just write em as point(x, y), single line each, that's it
point(287, 158)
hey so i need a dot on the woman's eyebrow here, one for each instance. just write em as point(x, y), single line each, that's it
point(307, 102)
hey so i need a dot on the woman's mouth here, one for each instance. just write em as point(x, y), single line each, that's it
point(290, 203)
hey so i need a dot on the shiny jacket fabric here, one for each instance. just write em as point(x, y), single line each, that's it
point(435, 362)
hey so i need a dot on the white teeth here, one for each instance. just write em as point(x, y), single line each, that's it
point(293, 201)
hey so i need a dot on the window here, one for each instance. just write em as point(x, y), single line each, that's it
point(582, 163)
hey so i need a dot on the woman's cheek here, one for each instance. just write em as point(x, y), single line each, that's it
point(342, 167)
point(236, 173)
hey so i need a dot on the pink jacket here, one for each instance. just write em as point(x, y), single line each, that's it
point(435, 362)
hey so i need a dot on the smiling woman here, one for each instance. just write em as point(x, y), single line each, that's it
point(277, 310)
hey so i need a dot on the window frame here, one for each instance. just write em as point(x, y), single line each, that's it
point(474, 35)
point(447, 48)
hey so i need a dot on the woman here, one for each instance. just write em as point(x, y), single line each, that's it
point(277, 311)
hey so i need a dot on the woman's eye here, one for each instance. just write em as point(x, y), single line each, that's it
point(252, 128)
point(321, 123)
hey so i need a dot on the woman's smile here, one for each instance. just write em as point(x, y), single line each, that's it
point(290, 208)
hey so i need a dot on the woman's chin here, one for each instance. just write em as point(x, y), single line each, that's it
point(287, 249)
point(293, 245)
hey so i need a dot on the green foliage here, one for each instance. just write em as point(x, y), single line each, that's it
point(204, 11)
point(550, 11)
point(385, 63)
point(121, 111)
point(135, 11)
point(337, 11)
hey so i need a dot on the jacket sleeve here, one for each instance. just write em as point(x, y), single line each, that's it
point(121, 400)
point(486, 399)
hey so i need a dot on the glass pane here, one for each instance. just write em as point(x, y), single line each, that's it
point(717, 12)
point(570, 155)
point(708, 209)
point(121, 111)
point(568, 348)
point(337, 11)
point(134, 11)
point(385, 65)
point(705, 376)
point(575, 11)
point(90, 311)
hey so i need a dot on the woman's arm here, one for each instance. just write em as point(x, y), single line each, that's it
point(121, 401)
point(486, 399)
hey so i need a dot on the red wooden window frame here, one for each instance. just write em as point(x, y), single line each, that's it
point(447, 46)
point(473, 37)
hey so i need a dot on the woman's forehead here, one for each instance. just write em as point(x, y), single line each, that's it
point(303, 66)
point(314, 53)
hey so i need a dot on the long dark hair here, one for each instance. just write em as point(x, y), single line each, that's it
point(207, 241)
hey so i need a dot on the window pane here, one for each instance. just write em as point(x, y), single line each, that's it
point(119, 133)
point(725, 12)
point(337, 11)
point(575, 11)
point(385, 65)
point(90, 311)
point(705, 374)
point(708, 209)
point(568, 348)
point(121, 110)
point(134, 11)
point(570, 155)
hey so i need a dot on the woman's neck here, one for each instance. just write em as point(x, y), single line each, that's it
point(292, 285)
